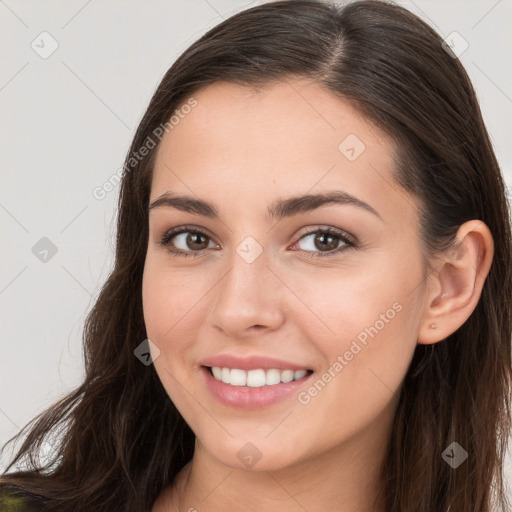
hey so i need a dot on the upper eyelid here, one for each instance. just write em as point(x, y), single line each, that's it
point(172, 232)
point(307, 231)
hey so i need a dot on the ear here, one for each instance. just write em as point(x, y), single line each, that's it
point(455, 285)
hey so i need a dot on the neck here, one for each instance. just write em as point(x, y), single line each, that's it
point(347, 479)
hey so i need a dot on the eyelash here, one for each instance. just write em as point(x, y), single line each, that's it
point(343, 236)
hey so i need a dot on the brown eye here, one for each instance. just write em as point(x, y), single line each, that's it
point(325, 242)
point(185, 242)
point(196, 241)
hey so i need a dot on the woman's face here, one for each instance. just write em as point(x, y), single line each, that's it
point(263, 279)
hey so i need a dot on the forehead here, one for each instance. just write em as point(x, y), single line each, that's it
point(293, 136)
point(294, 110)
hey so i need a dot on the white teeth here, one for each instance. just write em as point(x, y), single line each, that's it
point(287, 375)
point(299, 374)
point(273, 377)
point(225, 375)
point(237, 377)
point(256, 378)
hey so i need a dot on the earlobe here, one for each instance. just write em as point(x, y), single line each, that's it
point(457, 282)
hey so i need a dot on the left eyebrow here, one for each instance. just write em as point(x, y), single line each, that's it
point(278, 210)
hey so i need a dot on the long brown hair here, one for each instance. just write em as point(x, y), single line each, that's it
point(122, 440)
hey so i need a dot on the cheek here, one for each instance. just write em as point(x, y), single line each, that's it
point(341, 303)
point(365, 326)
point(365, 363)
point(175, 307)
point(169, 297)
point(170, 308)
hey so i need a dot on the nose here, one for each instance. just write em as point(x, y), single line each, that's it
point(247, 300)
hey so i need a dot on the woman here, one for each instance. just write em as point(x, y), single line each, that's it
point(311, 300)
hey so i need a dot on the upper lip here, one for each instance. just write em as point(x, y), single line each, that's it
point(250, 363)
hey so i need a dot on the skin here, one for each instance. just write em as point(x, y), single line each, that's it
point(243, 149)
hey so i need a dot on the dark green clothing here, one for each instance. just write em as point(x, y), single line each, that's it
point(15, 499)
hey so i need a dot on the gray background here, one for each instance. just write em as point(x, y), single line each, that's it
point(68, 120)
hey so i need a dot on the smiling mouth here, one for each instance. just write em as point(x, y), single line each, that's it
point(256, 378)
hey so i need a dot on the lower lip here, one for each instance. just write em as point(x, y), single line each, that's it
point(244, 397)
